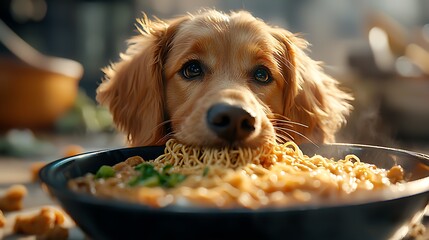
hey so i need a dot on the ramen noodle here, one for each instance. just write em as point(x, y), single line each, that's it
point(268, 176)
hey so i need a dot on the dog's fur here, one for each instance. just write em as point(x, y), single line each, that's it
point(151, 101)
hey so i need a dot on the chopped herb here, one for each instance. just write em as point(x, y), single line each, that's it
point(105, 172)
point(149, 182)
point(206, 171)
point(166, 168)
point(174, 179)
point(150, 177)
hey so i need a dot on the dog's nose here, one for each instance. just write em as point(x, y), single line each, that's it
point(230, 122)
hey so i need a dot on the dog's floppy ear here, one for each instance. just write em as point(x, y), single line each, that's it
point(311, 97)
point(133, 87)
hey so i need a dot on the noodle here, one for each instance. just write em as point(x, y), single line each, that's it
point(271, 175)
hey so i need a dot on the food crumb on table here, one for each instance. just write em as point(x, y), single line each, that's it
point(46, 224)
point(12, 198)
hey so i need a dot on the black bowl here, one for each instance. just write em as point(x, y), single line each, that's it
point(381, 216)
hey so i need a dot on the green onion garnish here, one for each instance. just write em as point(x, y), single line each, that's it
point(150, 177)
point(105, 172)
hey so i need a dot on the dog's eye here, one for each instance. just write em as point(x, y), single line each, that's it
point(262, 75)
point(192, 69)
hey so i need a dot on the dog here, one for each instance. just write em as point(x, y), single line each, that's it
point(214, 79)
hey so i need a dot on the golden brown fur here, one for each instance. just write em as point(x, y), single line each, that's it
point(151, 101)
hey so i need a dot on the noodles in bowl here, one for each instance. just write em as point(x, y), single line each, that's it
point(272, 175)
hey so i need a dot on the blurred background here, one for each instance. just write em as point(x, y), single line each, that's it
point(377, 49)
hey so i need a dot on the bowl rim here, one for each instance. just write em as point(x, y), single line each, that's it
point(405, 190)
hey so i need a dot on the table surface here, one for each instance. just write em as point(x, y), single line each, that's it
point(14, 170)
point(17, 170)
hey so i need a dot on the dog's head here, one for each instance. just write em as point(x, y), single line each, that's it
point(215, 79)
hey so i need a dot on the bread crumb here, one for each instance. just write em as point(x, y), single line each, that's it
point(2, 220)
point(47, 224)
point(35, 169)
point(58, 232)
point(12, 198)
point(72, 150)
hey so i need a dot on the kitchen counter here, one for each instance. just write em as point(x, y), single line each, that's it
point(15, 170)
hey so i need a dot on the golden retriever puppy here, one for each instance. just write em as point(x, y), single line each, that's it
point(216, 79)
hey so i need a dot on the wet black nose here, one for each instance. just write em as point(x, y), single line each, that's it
point(230, 122)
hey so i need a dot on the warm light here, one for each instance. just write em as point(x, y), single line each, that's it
point(25, 10)
point(379, 43)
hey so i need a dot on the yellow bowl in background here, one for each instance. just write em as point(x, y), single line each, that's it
point(32, 97)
